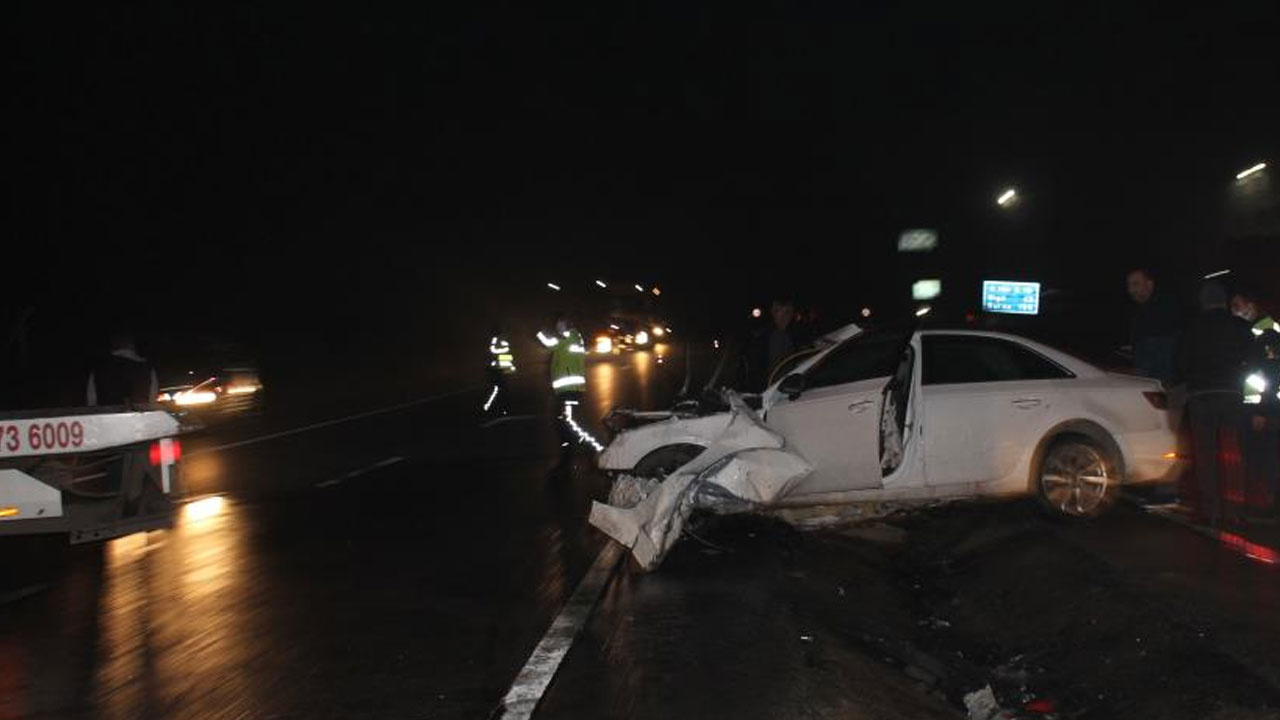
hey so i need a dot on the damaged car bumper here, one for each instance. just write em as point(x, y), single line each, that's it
point(745, 466)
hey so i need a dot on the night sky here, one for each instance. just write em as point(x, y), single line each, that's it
point(405, 169)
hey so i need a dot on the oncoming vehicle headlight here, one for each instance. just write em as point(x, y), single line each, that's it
point(642, 338)
point(604, 345)
point(196, 397)
point(1256, 382)
point(1254, 386)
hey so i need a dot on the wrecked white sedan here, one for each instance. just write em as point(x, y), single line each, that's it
point(896, 416)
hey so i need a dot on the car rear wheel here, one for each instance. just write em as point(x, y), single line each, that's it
point(667, 459)
point(1077, 479)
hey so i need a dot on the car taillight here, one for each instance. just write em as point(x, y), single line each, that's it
point(165, 452)
point(1158, 400)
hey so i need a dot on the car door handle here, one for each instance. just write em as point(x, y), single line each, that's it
point(861, 406)
point(1027, 403)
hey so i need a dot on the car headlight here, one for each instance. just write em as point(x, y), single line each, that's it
point(198, 397)
point(642, 338)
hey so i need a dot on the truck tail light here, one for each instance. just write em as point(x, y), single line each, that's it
point(165, 452)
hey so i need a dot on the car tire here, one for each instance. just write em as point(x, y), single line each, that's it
point(667, 459)
point(1077, 479)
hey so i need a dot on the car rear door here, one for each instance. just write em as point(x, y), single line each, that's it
point(986, 402)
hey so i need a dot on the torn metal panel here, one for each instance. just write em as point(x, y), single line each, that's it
point(630, 490)
point(745, 467)
point(758, 476)
point(629, 447)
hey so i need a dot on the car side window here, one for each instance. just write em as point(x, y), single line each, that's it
point(955, 359)
point(870, 355)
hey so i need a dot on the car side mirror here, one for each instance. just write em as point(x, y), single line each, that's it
point(792, 385)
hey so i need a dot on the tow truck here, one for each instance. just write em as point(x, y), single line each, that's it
point(90, 473)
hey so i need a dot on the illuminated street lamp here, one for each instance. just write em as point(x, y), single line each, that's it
point(601, 283)
point(554, 286)
point(639, 288)
point(1251, 171)
point(756, 312)
point(1007, 198)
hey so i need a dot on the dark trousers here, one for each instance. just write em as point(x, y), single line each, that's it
point(1262, 462)
point(498, 394)
point(1212, 415)
point(568, 411)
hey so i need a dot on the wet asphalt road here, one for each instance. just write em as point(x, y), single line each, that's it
point(400, 565)
point(404, 564)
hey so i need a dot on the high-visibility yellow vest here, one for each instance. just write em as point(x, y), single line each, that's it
point(568, 360)
point(500, 355)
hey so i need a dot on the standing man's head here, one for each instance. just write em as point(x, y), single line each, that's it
point(783, 311)
point(121, 340)
point(1213, 296)
point(1243, 307)
point(561, 323)
point(1141, 285)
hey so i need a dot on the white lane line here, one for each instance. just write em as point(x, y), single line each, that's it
point(327, 423)
point(388, 461)
point(534, 678)
point(357, 473)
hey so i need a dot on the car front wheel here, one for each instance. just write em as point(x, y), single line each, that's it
point(1077, 479)
point(667, 459)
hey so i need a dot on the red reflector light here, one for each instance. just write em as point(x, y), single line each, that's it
point(165, 452)
point(1158, 400)
point(1043, 707)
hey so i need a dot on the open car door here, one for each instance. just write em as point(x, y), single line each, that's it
point(833, 413)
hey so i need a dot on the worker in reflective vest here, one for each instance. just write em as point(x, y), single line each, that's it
point(502, 362)
point(1261, 440)
point(568, 373)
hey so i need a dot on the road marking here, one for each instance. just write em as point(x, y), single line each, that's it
point(1234, 542)
point(357, 473)
point(536, 675)
point(327, 423)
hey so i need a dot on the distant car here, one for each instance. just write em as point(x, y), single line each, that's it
point(226, 391)
point(608, 340)
point(623, 334)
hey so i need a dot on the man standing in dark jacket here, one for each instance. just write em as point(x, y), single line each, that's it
point(780, 341)
point(1262, 432)
point(121, 377)
point(1212, 357)
point(1154, 327)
